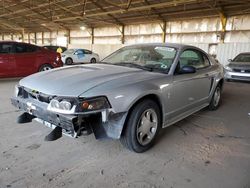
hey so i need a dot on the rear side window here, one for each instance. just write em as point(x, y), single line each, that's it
point(6, 48)
point(80, 51)
point(194, 58)
point(25, 48)
point(87, 52)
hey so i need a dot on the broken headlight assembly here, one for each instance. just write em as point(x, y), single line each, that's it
point(93, 104)
point(62, 106)
point(68, 106)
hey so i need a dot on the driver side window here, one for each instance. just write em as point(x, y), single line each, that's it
point(192, 58)
point(79, 52)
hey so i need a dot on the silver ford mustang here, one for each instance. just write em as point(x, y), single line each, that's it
point(130, 95)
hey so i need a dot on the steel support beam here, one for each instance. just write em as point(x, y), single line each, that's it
point(28, 37)
point(223, 20)
point(69, 38)
point(164, 28)
point(35, 38)
point(42, 37)
point(92, 35)
point(122, 34)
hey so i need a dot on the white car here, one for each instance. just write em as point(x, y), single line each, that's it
point(71, 56)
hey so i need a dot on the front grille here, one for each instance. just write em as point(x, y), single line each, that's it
point(241, 77)
point(239, 70)
point(39, 96)
point(44, 98)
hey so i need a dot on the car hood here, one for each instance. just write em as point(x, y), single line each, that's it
point(76, 80)
point(240, 65)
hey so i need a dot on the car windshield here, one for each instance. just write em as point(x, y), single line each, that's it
point(152, 58)
point(69, 51)
point(242, 58)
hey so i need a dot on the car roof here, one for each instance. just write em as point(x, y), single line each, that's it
point(174, 45)
point(54, 46)
point(15, 42)
point(244, 53)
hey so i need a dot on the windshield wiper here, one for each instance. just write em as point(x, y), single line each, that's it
point(157, 69)
point(133, 65)
point(150, 68)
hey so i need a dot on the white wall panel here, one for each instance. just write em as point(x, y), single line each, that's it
point(46, 34)
point(79, 33)
point(107, 40)
point(79, 41)
point(237, 36)
point(192, 38)
point(142, 39)
point(107, 31)
point(141, 29)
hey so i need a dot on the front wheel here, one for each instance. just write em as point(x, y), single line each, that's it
point(144, 123)
point(216, 99)
point(69, 61)
point(45, 67)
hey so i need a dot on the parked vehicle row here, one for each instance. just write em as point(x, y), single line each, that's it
point(19, 59)
point(238, 68)
point(72, 56)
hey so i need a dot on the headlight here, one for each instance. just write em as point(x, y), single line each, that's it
point(228, 68)
point(94, 104)
point(62, 106)
point(71, 106)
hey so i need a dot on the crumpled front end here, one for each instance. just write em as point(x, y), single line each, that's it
point(73, 120)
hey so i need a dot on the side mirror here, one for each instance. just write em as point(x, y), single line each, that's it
point(230, 60)
point(76, 53)
point(187, 69)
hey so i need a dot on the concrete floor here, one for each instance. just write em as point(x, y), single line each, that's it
point(207, 149)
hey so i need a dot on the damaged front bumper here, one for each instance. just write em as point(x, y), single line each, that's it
point(103, 123)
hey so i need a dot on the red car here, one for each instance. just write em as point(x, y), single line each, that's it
point(21, 59)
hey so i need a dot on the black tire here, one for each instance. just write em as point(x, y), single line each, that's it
point(69, 61)
point(93, 60)
point(215, 102)
point(45, 67)
point(130, 136)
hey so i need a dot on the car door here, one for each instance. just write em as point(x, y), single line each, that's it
point(190, 91)
point(88, 55)
point(7, 60)
point(25, 56)
point(79, 56)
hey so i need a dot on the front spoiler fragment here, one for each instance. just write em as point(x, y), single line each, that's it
point(39, 110)
point(104, 124)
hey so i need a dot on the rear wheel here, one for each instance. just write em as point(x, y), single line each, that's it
point(45, 67)
point(69, 61)
point(216, 99)
point(144, 123)
point(93, 60)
